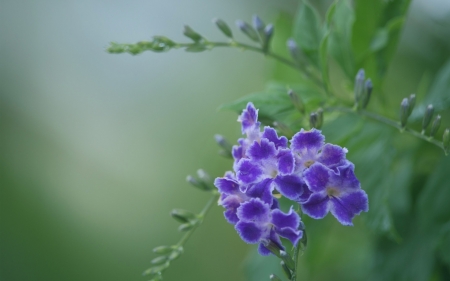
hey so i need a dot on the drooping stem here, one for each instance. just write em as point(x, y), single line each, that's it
point(386, 121)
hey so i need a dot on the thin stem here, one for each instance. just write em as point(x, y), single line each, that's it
point(386, 121)
point(202, 214)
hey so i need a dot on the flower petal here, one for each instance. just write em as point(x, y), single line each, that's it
point(317, 177)
point(261, 150)
point(254, 210)
point(293, 235)
point(248, 171)
point(282, 220)
point(345, 207)
point(249, 117)
point(285, 161)
point(304, 141)
point(332, 155)
point(291, 187)
point(226, 185)
point(271, 135)
point(317, 206)
point(249, 231)
point(262, 190)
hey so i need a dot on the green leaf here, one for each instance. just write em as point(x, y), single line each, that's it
point(340, 37)
point(308, 31)
point(330, 14)
point(323, 55)
point(439, 94)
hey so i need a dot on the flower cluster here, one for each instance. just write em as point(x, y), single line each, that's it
point(310, 172)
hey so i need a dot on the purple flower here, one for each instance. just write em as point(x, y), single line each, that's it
point(258, 223)
point(337, 191)
point(271, 166)
point(309, 147)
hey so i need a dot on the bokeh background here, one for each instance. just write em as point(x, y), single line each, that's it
point(95, 147)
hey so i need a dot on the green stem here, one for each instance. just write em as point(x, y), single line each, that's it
point(202, 214)
point(386, 121)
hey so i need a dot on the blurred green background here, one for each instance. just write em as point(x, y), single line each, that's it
point(95, 147)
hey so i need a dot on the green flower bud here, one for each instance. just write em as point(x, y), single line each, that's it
point(298, 103)
point(223, 26)
point(185, 227)
point(287, 260)
point(189, 32)
point(286, 270)
point(159, 260)
point(412, 103)
point(163, 249)
point(404, 109)
point(313, 118)
point(435, 126)
point(273, 277)
point(183, 216)
point(359, 86)
point(247, 30)
point(446, 139)
point(319, 118)
point(427, 117)
point(368, 87)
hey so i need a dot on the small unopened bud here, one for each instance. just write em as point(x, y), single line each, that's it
point(412, 103)
point(435, 126)
point(203, 176)
point(313, 118)
point(268, 33)
point(272, 247)
point(446, 140)
point(258, 24)
point(298, 104)
point(286, 270)
point(247, 30)
point(176, 253)
point(287, 260)
point(404, 109)
point(163, 249)
point(294, 51)
point(273, 277)
point(283, 128)
point(185, 227)
point(223, 26)
point(368, 87)
point(427, 117)
point(199, 184)
point(190, 33)
point(359, 85)
point(159, 260)
point(225, 145)
point(182, 216)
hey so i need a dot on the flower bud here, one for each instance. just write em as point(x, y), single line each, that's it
point(287, 260)
point(272, 247)
point(176, 253)
point(199, 184)
point(182, 216)
point(225, 145)
point(359, 85)
point(286, 270)
point(223, 26)
point(296, 100)
point(203, 176)
point(273, 277)
point(368, 87)
point(427, 117)
point(313, 118)
point(163, 249)
point(268, 33)
point(435, 126)
point(155, 271)
point(189, 32)
point(412, 103)
point(159, 260)
point(404, 109)
point(258, 24)
point(247, 30)
point(446, 139)
point(185, 227)
point(282, 128)
point(295, 52)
